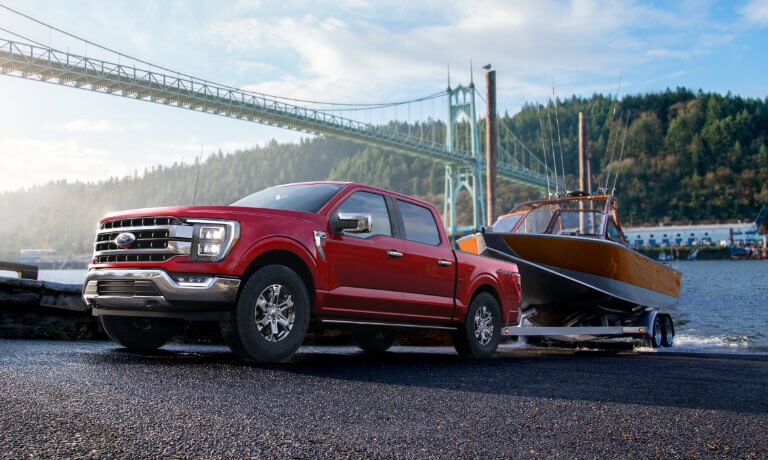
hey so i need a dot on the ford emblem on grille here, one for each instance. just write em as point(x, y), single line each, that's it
point(124, 240)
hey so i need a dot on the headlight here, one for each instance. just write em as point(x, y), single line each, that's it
point(212, 239)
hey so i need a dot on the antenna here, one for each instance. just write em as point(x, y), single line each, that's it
point(554, 158)
point(197, 180)
point(621, 154)
point(610, 132)
point(544, 148)
point(559, 139)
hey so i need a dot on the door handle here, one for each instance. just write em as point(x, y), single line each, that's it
point(394, 254)
point(444, 263)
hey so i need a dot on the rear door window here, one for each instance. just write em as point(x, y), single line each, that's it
point(419, 223)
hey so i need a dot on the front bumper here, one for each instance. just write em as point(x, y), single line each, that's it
point(155, 293)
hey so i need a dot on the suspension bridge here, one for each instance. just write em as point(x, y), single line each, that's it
point(465, 167)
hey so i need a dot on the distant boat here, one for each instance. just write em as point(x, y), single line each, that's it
point(664, 257)
point(575, 265)
point(738, 253)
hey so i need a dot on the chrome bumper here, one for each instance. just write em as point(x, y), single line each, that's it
point(152, 290)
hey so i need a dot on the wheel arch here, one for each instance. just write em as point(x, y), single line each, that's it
point(288, 259)
point(490, 289)
point(491, 286)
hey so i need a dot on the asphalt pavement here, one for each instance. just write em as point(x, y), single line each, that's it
point(61, 399)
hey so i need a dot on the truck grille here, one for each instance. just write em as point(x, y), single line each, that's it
point(145, 239)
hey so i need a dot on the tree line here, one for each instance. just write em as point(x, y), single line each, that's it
point(681, 157)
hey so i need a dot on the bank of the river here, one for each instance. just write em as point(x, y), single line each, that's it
point(697, 252)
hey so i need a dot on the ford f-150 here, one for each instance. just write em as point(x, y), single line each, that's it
point(288, 258)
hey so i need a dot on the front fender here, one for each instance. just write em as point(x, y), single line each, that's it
point(273, 250)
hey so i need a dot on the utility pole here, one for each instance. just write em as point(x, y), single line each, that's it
point(491, 143)
point(583, 168)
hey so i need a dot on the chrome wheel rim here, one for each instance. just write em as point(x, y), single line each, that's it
point(274, 313)
point(483, 325)
point(669, 331)
point(657, 333)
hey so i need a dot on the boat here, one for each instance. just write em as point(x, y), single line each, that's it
point(575, 264)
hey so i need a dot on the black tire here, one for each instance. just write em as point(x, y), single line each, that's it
point(232, 339)
point(373, 341)
point(141, 334)
point(657, 334)
point(668, 332)
point(271, 317)
point(479, 336)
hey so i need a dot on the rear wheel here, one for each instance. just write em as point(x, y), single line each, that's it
point(271, 317)
point(373, 341)
point(668, 332)
point(656, 333)
point(142, 334)
point(479, 336)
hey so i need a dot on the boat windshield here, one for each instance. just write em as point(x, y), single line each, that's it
point(553, 220)
point(589, 223)
point(505, 224)
point(592, 218)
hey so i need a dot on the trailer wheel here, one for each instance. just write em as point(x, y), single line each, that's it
point(373, 341)
point(479, 336)
point(657, 335)
point(271, 317)
point(668, 332)
point(141, 334)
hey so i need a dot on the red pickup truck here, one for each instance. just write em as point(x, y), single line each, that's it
point(277, 262)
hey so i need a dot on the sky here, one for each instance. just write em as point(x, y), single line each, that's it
point(348, 51)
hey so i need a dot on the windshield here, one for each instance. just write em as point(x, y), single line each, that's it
point(299, 197)
point(505, 224)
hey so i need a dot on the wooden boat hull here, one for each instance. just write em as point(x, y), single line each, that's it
point(577, 280)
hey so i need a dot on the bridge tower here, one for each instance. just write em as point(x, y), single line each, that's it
point(461, 107)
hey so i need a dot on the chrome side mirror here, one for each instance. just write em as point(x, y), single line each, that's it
point(351, 222)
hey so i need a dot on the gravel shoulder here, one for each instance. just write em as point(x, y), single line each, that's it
point(96, 400)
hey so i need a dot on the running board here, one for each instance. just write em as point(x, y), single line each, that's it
point(381, 324)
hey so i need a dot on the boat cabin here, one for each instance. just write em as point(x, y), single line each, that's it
point(573, 215)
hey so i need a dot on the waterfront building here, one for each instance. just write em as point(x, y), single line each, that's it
point(735, 234)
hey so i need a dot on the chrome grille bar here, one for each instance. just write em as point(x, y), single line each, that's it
point(156, 239)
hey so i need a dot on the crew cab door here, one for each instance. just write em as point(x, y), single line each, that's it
point(364, 267)
point(428, 287)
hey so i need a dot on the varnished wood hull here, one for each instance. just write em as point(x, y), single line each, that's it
point(577, 280)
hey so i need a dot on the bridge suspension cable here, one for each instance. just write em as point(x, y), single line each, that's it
point(152, 83)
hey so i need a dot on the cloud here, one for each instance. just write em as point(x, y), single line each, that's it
point(756, 12)
point(87, 126)
point(55, 160)
point(665, 53)
point(329, 54)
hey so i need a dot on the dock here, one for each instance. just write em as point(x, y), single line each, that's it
point(31, 308)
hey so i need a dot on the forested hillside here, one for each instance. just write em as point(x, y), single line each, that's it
point(688, 157)
point(683, 157)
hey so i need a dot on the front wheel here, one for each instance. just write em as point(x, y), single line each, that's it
point(271, 317)
point(479, 336)
point(142, 334)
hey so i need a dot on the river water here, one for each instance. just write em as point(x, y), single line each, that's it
point(722, 307)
